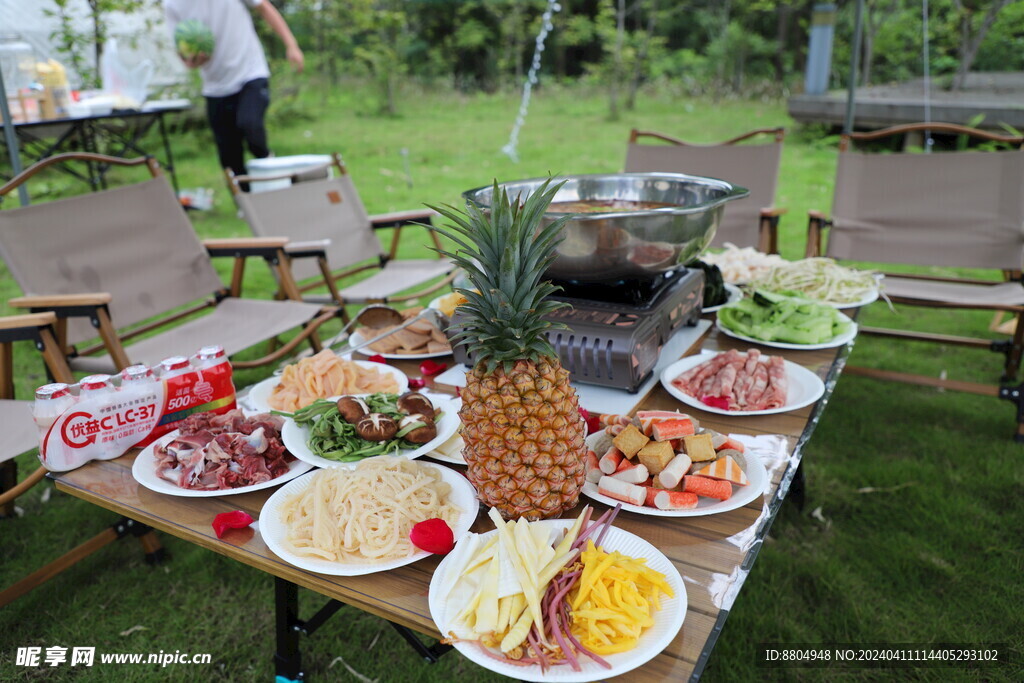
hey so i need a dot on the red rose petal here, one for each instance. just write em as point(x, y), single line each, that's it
point(416, 383)
point(231, 520)
point(433, 535)
point(377, 358)
point(429, 368)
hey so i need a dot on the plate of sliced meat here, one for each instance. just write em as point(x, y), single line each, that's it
point(737, 383)
point(218, 455)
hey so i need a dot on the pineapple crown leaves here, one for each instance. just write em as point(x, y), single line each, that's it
point(505, 255)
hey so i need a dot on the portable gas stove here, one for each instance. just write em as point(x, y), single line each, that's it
point(616, 331)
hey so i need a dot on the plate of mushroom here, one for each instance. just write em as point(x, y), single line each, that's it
point(343, 430)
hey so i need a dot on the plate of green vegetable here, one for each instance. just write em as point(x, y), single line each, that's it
point(317, 434)
point(786, 322)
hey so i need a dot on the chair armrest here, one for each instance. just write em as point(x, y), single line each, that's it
point(768, 233)
point(774, 211)
point(307, 249)
point(62, 304)
point(816, 224)
point(237, 247)
point(28, 321)
point(399, 218)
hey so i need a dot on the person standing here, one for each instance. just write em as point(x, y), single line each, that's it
point(235, 76)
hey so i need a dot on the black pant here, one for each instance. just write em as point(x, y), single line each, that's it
point(237, 118)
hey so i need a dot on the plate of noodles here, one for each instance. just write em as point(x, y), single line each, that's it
point(322, 376)
point(349, 522)
point(296, 437)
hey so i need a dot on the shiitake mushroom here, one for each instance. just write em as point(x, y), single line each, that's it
point(428, 432)
point(352, 409)
point(376, 427)
point(413, 403)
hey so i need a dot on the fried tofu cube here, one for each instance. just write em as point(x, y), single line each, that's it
point(655, 455)
point(630, 440)
point(699, 447)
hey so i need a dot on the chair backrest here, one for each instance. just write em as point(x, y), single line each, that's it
point(313, 209)
point(948, 209)
point(753, 166)
point(134, 242)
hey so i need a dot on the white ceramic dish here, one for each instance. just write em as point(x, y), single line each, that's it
point(667, 621)
point(357, 338)
point(463, 496)
point(295, 437)
point(804, 387)
point(144, 471)
point(757, 475)
point(838, 340)
point(260, 392)
point(735, 294)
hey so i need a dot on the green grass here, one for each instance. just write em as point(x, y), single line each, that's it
point(932, 555)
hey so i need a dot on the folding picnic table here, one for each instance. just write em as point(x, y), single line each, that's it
point(713, 553)
point(119, 133)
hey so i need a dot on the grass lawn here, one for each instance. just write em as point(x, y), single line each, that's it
point(917, 493)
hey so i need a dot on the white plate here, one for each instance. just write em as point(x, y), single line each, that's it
point(295, 437)
point(834, 342)
point(357, 338)
point(273, 530)
point(741, 495)
point(144, 471)
point(735, 294)
point(804, 387)
point(455, 458)
point(667, 621)
point(260, 392)
point(868, 298)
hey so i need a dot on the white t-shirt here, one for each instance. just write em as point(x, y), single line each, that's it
point(237, 54)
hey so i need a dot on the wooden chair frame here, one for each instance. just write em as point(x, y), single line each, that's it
point(38, 328)
point(316, 250)
point(1013, 349)
point(95, 306)
point(768, 240)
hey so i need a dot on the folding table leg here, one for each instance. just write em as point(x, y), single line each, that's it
point(431, 654)
point(287, 658)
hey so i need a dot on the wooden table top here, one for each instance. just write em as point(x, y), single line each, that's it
point(712, 553)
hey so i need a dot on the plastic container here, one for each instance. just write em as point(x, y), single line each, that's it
point(211, 356)
point(94, 385)
point(17, 63)
point(273, 166)
point(52, 400)
point(174, 366)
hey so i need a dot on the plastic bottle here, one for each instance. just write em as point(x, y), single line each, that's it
point(94, 385)
point(174, 366)
point(52, 401)
point(211, 356)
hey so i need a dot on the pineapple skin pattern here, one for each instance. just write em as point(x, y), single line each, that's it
point(524, 439)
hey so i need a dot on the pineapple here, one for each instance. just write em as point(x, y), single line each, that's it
point(521, 421)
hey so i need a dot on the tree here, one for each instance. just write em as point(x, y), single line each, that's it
point(972, 32)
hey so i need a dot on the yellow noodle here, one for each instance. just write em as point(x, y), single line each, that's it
point(325, 375)
point(365, 514)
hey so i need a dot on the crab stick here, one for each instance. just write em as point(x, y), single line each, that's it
point(649, 418)
point(614, 430)
point(608, 419)
point(675, 500)
point(620, 490)
point(611, 460)
point(594, 472)
point(731, 443)
point(709, 488)
point(674, 471)
point(672, 429)
point(652, 491)
point(634, 474)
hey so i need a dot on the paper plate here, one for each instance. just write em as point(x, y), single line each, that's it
point(667, 621)
point(273, 530)
point(735, 294)
point(260, 392)
point(144, 471)
point(804, 387)
point(838, 340)
point(741, 495)
point(357, 338)
point(295, 437)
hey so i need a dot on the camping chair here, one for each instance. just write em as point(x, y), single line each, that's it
point(750, 222)
point(332, 236)
point(108, 263)
point(19, 436)
point(947, 209)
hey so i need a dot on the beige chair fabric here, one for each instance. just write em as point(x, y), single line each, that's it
point(137, 244)
point(329, 211)
point(18, 429)
point(1001, 294)
point(755, 167)
point(950, 209)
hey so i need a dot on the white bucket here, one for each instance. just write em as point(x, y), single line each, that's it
point(272, 166)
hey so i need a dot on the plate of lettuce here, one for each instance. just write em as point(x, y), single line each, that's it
point(786, 321)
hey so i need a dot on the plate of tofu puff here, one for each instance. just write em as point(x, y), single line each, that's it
point(418, 341)
point(664, 464)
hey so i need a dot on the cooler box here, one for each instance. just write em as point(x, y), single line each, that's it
point(272, 166)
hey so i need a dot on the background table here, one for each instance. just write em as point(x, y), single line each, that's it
point(118, 134)
point(714, 553)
